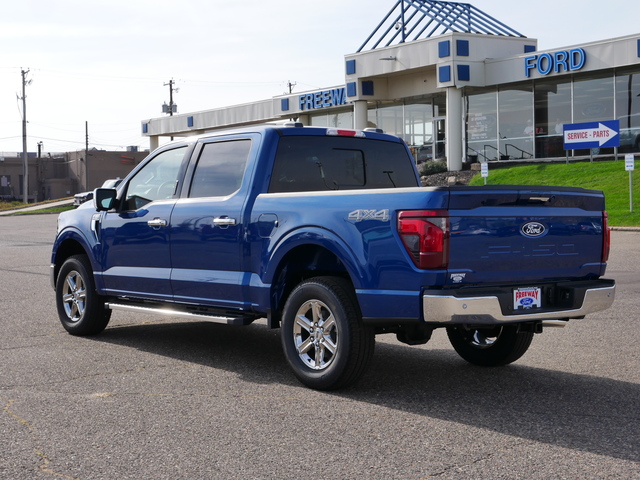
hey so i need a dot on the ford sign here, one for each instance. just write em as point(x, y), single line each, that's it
point(533, 229)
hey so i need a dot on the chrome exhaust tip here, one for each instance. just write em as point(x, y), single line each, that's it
point(554, 323)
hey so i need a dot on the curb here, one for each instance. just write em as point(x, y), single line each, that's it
point(626, 229)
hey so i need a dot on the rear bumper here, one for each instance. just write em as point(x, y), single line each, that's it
point(480, 307)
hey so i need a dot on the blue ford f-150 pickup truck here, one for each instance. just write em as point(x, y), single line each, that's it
point(328, 235)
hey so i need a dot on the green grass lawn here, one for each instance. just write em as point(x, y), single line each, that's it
point(44, 209)
point(610, 177)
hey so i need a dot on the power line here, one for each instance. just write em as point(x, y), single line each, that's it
point(80, 74)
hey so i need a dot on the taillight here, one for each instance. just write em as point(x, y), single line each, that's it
point(606, 237)
point(425, 235)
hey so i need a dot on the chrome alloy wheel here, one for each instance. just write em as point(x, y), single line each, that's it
point(315, 334)
point(74, 296)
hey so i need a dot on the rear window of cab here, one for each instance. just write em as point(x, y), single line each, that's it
point(317, 163)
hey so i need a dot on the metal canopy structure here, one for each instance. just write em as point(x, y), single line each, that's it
point(410, 20)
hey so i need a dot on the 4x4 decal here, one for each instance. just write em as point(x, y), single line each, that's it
point(360, 215)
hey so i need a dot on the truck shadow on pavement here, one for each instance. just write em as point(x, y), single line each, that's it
point(581, 412)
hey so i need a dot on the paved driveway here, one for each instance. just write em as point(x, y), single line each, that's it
point(158, 398)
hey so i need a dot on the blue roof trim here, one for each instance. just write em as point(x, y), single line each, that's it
point(410, 20)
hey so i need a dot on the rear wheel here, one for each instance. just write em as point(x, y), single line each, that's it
point(323, 337)
point(80, 309)
point(489, 346)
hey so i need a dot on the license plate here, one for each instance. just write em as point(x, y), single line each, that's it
point(526, 298)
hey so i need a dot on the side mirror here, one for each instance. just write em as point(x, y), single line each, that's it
point(104, 199)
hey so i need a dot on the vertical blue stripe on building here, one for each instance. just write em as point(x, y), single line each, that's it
point(462, 48)
point(284, 104)
point(351, 67)
point(189, 121)
point(352, 89)
point(464, 73)
point(444, 74)
point(145, 128)
point(444, 49)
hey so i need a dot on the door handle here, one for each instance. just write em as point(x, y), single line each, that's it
point(157, 223)
point(224, 221)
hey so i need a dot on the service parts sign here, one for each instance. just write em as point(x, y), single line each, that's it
point(592, 135)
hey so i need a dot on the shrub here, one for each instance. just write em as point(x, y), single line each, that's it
point(431, 167)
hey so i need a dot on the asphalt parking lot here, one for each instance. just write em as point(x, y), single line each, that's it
point(155, 398)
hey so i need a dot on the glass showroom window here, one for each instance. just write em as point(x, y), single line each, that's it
point(552, 112)
point(333, 119)
point(592, 102)
point(628, 110)
point(482, 132)
point(389, 116)
point(516, 123)
point(419, 129)
point(439, 105)
point(321, 120)
point(341, 120)
point(415, 123)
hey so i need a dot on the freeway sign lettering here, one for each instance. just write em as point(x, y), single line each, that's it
point(592, 135)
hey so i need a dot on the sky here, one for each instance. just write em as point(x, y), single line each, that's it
point(104, 66)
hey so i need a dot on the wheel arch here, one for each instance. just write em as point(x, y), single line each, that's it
point(72, 243)
point(304, 255)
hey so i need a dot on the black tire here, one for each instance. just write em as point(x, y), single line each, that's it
point(80, 309)
point(490, 346)
point(323, 337)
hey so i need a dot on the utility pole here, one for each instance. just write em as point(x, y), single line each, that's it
point(290, 86)
point(169, 109)
point(171, 90)
point(25, 162)
point(86, 154)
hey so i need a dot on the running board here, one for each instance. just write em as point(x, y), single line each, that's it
point(226, 320)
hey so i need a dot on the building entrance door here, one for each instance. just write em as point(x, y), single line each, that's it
point(439, 137)
point(429, 143)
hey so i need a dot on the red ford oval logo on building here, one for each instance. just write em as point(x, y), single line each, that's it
point(533, 229)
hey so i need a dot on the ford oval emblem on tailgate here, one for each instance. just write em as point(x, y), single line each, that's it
point(533, 229)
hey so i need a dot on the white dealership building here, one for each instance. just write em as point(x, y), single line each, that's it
point(456, 83)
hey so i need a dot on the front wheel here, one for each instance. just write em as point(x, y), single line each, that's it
point(489, 346)
point(80, 309)
point(323, 337)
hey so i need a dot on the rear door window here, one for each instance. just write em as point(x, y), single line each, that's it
point(220, 168)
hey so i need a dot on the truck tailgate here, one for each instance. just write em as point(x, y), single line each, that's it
point(516, 234)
